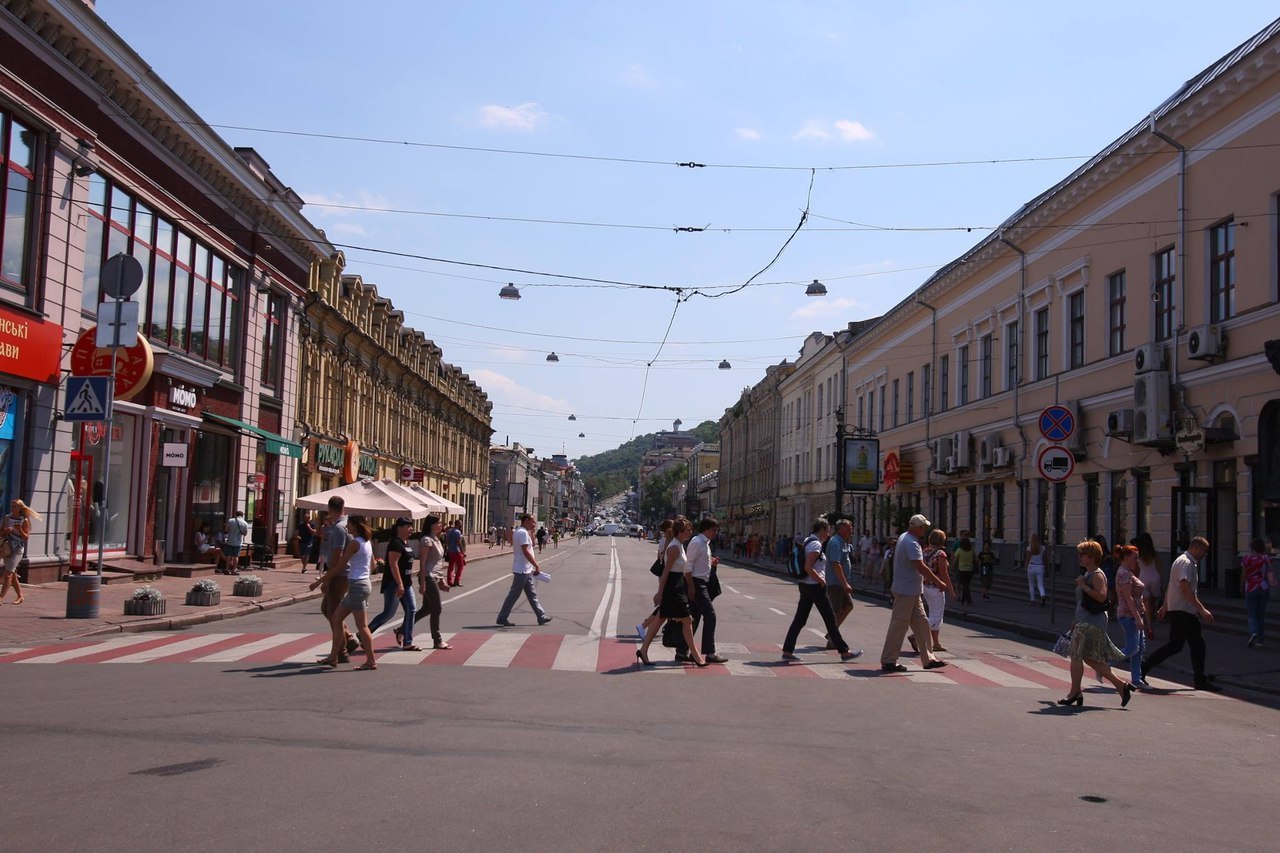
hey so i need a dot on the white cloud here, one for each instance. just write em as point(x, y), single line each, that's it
point(846, 129)
point(748, 133)
point(825, 307)
point(504, 389)
point(525, 118)
point(813, 129)
point(853, 131)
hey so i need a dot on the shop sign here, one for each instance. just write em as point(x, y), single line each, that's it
point(173, 454)
point(368, 466)
point(133, 363)
point(29, 347)
point(410, 474)
point(328, 458)
point(892, 462)
point(183, 398)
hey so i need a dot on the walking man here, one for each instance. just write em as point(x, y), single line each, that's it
point(454, 551)
point(701, 565)
point(839, 570)
point(524, 567)
point(1183, 606)
point(909, 575)
point(332, 546)
point(812, 594)
point(236, 529)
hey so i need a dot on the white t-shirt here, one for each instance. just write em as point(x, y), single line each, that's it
point(358, 565)
point(864, 545)
point(520, 565)
point(814, 546)
point(1183, 568)
point(699, 554)
point(681, 563)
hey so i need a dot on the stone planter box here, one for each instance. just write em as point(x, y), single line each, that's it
point(143, 607)
point(247, 589)
point(196, 598)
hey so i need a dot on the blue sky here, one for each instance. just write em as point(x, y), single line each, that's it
point(797, 84)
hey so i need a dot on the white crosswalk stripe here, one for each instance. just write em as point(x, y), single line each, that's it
point(257, 646)
point(499, 650)
point(172, 649)
point(71, 654)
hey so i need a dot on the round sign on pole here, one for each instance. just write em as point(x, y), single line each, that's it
point(121, 276)
point(1057, 423)
point(133, 363)
point(1055, 463)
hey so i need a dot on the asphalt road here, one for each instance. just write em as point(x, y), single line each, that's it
point(558, 742)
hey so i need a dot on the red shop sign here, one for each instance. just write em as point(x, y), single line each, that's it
point(892, 464)
point(133, 364)
point(29, 347)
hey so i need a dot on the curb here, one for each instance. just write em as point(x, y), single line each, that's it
point(188, 619)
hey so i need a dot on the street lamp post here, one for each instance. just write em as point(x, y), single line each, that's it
point(840, 462)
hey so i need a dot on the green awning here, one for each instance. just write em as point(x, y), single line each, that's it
point(277, 445)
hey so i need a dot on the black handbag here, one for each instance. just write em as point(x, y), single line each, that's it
point(713, 586)
point(671, 632)
point(656, 568)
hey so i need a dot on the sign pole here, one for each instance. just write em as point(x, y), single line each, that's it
point(106, 456)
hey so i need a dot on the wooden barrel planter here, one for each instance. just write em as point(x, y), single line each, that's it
point(199, 598)
point(144, 607)
point(247, 589)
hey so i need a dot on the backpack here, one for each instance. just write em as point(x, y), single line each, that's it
point(795, 567)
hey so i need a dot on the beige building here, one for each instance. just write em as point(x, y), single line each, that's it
point(749, 457)
point(1140, 293)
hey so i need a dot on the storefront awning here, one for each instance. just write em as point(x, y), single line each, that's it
point(277, 445)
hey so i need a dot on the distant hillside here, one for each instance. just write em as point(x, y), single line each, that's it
point(615, 470)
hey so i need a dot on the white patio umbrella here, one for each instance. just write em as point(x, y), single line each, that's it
point(449, 506)
point(434, 505)
point(366, 497)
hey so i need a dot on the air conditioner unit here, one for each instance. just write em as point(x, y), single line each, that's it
point(1120, 423)
point(1151, 408)
point(985, 447)
point(1150, 357)
point(953, 467)
point(960, 449)
point(1001, 457)
point(941, 451)
point(1204, 343)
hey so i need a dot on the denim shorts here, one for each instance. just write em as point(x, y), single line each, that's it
point(357, 597)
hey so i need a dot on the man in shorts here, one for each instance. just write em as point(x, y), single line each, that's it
point(839, 570)
point(332, 547)
point(236, 529)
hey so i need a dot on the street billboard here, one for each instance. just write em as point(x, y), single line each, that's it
point(861, 472)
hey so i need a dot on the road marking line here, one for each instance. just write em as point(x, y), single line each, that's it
point(242, 652)
point(752, 597)
point(97, 648)
point(497, 651)
point(991, 673)
point(617, 594)
point(732, 649)
point(776, 610)
point(732, 590)
point(739, 667)
point(172, 649)
point(310, 655)
point(578, 653)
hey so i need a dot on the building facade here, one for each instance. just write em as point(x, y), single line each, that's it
point(749, 459)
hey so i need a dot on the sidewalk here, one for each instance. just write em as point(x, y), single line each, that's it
point(1228, 659)
point(42, 616)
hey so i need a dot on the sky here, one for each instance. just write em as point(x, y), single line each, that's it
point(602, 101)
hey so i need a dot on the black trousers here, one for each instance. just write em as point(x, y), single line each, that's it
point(966, 584)
point(705, 612)
point(813, 595)
point(1183, 628)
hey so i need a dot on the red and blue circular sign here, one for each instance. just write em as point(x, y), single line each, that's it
point(1057, 423)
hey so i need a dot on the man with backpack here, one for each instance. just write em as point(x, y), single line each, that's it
point(812, 589)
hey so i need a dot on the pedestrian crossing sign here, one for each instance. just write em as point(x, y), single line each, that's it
point(88, 398)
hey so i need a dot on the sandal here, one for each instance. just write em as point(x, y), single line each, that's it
point(410, 648)
point(399, 634)
point(329, 662)
point(365, 667)
point(441, 644)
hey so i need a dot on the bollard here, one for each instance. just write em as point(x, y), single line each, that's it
point(82, 596)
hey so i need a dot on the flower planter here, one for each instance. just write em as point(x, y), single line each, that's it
point(248, 589)
point(196, 598)
point(144, 607)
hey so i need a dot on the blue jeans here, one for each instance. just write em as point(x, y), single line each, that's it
point(1135, 646)
point(389, 602)
point(1256, 604)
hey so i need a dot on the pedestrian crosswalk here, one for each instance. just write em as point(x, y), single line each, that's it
point(571, 653)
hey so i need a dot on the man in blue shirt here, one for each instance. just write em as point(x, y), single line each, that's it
point(839, 570)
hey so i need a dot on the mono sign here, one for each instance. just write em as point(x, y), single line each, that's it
point(173, 455)
point(181, 397)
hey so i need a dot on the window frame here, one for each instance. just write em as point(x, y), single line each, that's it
point(1164, 279)
point(986, 357)
point(962, 376)
point(1076, 310)
point(1012, 371)
point(1222, 271)
point(32, 236)
point(944, 378)
point(1041, 321)
point(1117, 310)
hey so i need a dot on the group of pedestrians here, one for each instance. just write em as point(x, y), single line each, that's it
point(687, 586)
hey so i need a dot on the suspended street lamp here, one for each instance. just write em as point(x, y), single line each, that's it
point(725, 365)
point(509, 291)
point(553, 357)
point(817, 288)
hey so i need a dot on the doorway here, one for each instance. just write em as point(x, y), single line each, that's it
point(1195, 514)
point(168, 508)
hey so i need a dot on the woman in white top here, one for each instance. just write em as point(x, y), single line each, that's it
point(1149, 574)
point(675, 589)
point(664, 539)
point(1035, 569)
point(434, 582)
point(357, 561)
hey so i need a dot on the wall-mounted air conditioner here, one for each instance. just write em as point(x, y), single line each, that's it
point(1120, 423)
point(1001, 457)
point(1151, 408)
point(1205, 343)
point(1150, 357)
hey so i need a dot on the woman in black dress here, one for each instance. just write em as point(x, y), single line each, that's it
point(675, 588)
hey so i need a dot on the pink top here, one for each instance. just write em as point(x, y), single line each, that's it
point(1128, 591)
point(1256, 569)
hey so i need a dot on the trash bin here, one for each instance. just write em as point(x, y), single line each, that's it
point(82, 596)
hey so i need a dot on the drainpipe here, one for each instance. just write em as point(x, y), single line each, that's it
point(1179, 315)
point(1022, 332)
point(933, 361)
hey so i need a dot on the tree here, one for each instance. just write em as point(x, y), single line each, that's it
point(657, 502)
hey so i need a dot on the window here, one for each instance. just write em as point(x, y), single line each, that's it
point(944, 381)
point(1042, 343)
point(820, 409)
point(1075, 310)
point(1011, 366)
point(985, 357)
point(273, 341)
point(862, 411)
point(911, 396)
point(1222, 271)
point(926, 395)
point(882, 407)
point(1162, 293)
point(871, 411)
point(998, 530)
point(895, 402)
point(17, 201)
point(1116, 295)
point(963, 393)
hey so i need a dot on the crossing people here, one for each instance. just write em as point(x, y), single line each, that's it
point(1090, 643)
point(524, 569)
point(433, 580)
point(909, 575)
point(812, 590)
point(1185, 611)
point(333, 543)
point(702, 564)
point(397, 586)
point(356, 562)
point(675, 589)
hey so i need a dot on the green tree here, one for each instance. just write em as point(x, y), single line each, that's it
point(657, 501)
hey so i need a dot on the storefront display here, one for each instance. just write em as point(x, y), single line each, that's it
point(10, 429)
point(110, 494)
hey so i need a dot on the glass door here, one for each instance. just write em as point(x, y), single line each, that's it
point(1194, 515)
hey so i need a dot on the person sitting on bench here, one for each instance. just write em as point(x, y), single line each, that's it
point(206, 551)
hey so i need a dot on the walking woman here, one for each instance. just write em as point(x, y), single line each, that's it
point(14, 533)
point(1035, 570)
point(397, 587)
point(1089, 641)
point(675, 589)
point(434, 580)
point(987, 563)
point(306, 540)
point(935, 597)
point(664, 539)
point(1132, 612)
point(1149, 574)
point(355, 561)
point(1256, 581)
point(966, 562)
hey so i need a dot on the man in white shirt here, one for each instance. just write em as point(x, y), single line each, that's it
point(701, 565)
point(523, 569)
point(1183, 606)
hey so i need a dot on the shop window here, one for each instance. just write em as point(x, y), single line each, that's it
point(11, 411)
point(18, 148)
point(210, 484)
point(111, 492)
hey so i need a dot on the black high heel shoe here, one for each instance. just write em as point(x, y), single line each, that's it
point(643, 660)
point(1077, 700)
point(1126, 693)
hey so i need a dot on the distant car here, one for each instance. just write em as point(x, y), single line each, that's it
point(609, 529)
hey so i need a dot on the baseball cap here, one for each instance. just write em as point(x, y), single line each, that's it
point(919, 520)
point(404, 522)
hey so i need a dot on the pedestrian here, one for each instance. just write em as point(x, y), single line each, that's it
point(555, 539)
point(966, 564)
point(1131, 612)
point(306, 540)
point(492, 536)
point(812, 590)
point(935, 594)
point(454, 551)
point(356, 563)
point(333, 545)
point(675, 589)
point(987, 563)
point(1256, 581)
point(14, 533)
point(664, 538)
point(397, 586)
point(1035, 570)
point(1089, 641)
point(236, 529)
point(1185, 611)
point(542, 538)
point(909, 575)
point(839, 572)
point(524, 568)
point(702, 565)
point(865, 546)
point(434, 581)
point(206, 551)
point(1149, 574)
